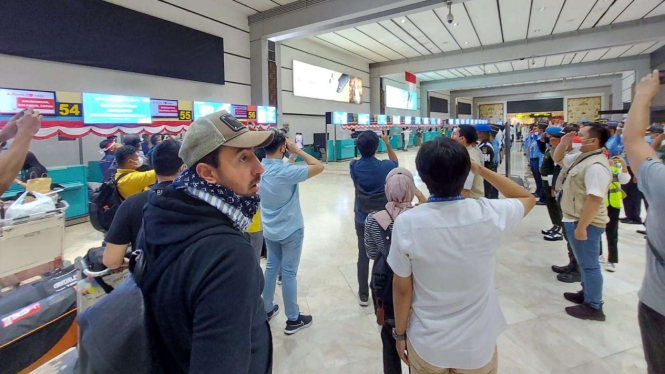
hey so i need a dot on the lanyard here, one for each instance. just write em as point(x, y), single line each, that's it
point(436, 199)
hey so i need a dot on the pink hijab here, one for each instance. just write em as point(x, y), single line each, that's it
point(400, 191)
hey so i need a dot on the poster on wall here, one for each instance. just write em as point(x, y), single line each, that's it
point(101, 109)
point(320, 83)
point(164, 108)
point(401, 99)
point(14, 101)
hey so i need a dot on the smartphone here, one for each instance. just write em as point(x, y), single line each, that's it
point(661, 75)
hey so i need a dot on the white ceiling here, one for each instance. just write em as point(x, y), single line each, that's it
point(539, 62)
point(255, 6)
point(486, 22)
point(535, 82)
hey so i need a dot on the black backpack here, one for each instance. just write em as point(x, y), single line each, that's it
point(382, 275)
point(104, 203)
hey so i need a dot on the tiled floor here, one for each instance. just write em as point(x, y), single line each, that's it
point(540, 337)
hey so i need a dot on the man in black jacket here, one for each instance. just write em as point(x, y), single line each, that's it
point(207, 312)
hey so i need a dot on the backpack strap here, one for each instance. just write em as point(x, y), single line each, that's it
point(115, 184)
point(655, 252)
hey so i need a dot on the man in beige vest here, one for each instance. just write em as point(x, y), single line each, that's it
point(474, 186)
point(585, 185)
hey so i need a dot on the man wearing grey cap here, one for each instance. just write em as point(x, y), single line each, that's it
point(206, 310)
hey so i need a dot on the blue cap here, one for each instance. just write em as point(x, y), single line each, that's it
point(483, 128)
point(553, 130)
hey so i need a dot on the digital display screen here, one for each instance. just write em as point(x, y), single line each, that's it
point(14, 101)
point(425, 121)
point(99, 109)
point(266, 114)
point(451, 121)
point(407, 120)
point(417, 121)
point(382, 119)
point(239, 111)
point(397, 120)
point(164, 108)
point(321, 83)
point(401, 99)
point(363, 119)
point(339, 118)
point(203, 108)
point(457, 122)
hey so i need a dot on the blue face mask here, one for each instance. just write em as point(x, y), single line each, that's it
point(648, 139)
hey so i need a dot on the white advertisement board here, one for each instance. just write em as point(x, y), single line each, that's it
point(320, 83)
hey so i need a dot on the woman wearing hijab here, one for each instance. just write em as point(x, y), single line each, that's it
point(400, 191)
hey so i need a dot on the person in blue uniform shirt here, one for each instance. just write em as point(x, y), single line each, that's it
point(614, 144)
point(535, 154)
point(488, 154)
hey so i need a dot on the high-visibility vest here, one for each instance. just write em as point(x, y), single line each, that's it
point(614, 196)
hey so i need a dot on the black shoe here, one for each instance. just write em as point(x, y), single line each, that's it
point(550, 231)
point(553, 237)
point(302, 322)
point(279, 279)
point(643, 232)
point(273, 312)
point(586, 311)
point(540, 203)
point(364, 300)
point(629, 221)
point(570, 277)
point(575, 297)
point(562, 269)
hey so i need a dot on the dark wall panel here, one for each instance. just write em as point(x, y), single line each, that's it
point(100, 34)
point(464, 108)
point(438, 105)
point(529, 106)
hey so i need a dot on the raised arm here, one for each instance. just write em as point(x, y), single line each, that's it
point(22, 130)
point(507, 187)
point(315, 166)
point(637, 149)
point(391, 152)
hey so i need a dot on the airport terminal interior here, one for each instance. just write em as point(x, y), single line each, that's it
point(118, 81)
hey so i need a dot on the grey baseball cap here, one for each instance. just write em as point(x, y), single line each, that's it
point(214, 130)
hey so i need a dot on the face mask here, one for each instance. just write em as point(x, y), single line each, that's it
point(577, 146)
point(286, 154)
point(139, 163)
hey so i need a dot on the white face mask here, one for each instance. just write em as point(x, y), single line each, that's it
point(139, 163)
point(577, 146)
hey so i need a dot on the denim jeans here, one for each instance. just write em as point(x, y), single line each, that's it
point(285, 253)
point(586, 253)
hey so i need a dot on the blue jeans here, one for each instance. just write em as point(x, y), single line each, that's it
point(534, 164)
point(284, 254)
point(586, 253)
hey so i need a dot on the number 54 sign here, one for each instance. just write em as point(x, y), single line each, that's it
point(69, 110)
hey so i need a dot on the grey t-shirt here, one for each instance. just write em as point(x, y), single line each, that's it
point(651, 181)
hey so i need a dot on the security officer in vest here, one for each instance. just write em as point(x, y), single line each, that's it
point(488, 154)
point(620, 176)
point(585, 186)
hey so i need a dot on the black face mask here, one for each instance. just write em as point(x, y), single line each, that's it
point(286, 154)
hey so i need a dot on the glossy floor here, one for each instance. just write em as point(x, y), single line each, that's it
point(540, 337)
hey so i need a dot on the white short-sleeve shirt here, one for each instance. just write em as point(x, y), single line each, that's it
point(450, 249)
point(597, 178)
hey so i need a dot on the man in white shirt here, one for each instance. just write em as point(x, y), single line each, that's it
point(406, 135)
point(474, 185)
point(585, 185)
point(444, 293)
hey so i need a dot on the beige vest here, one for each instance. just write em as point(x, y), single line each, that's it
point(478, 188)
point(574, 191)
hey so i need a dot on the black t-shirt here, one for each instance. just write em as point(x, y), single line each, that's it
point(129, 217)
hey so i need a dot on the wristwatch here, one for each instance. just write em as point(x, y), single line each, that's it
point(398, 337)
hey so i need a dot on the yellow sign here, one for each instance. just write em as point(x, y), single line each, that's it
point(69, 110)
point(185, 115)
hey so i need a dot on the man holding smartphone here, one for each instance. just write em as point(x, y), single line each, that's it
point(21, 127)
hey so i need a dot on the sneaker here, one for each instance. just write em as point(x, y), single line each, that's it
point(629, 221)
point(302, 322)
point(610, 267)
point(643, 232)
point(586, 311)
point(364, 300)
point(551, 231)
point(601, 259)
point(553, 237)
point(279, 279)
point(273, 312)
point(570, 277)
point(575, 297)
point(541, 203)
